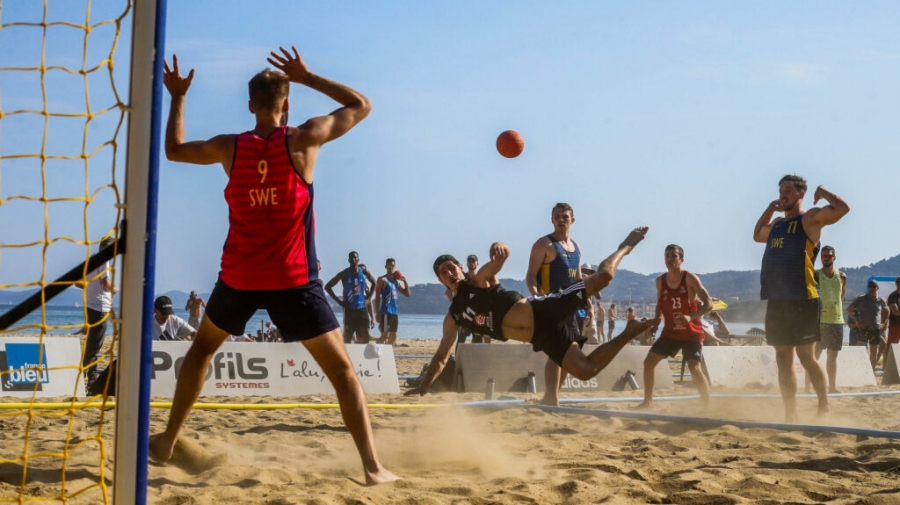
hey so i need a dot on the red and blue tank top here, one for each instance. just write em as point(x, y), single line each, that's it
point(271, 235)
point(675, 302)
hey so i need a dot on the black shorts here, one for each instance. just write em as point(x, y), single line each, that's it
point(300, 313)
point(831, 337)
point(356, 322)
point(792, 322)
point(857, 338)
point(865, 336)
point(555, 328)
point(389, 322)
point(666, 346)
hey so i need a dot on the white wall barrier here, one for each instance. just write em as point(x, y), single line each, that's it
point(509, 365)
point(34, 368)
point(738, 367)
point(891, 366)
point(271, 369)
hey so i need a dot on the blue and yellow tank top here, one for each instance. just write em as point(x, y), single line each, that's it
point(787, 271)
point(562, 272)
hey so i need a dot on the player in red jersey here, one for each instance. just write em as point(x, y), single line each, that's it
point(269, 258)
point(678, 292)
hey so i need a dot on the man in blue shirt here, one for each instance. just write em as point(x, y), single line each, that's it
point(387, 291)
point(353, 301)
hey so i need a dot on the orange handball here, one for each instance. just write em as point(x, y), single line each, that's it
point(510, 144)
point(398, 275)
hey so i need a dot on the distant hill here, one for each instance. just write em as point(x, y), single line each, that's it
point(739, 289)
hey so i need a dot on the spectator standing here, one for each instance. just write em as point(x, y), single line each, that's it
point(98, 294)
point(355, 294)
point(611, 316)
point(869, 313)
point(600, 316)
point(194, 306)
point(832, 288)
point(894, 318)
point(387, 292)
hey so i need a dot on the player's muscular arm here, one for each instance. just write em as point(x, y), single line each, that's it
point(331, 284)
point(378, 287)
point(219, 149)
point(371, 281)
point(851, 311)
point(818, 217)
point(539, 253)
point(705, 305)
point(319, 130)
point(404, 288)
point(440, 358)
point(487, 275)
point(764, 224)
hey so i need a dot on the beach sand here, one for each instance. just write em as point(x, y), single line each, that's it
point(462, 455)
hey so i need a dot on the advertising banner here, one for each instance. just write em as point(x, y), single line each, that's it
point(43, 369)
point(271, 369)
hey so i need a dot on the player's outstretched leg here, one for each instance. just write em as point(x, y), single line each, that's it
point(187, 389)
point(584, 367)
point(650, 363)
point(607, 269)
point(330, 353)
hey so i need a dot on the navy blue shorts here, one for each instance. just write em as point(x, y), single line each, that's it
point(300, 313)
point(356, 323)
point(389, 322)
point(555, 327)
point(666, 346)
point(792, 322)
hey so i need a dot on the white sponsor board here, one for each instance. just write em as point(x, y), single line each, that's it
point(271, 369)
point(854, 370)
point(509, 365)
point(739, 367)
point(43, 369)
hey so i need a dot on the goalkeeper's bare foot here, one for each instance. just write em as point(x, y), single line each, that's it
point(185, 454)
point(634, 238)
point(380, 476)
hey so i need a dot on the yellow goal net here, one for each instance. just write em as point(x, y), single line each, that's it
point(66, 122)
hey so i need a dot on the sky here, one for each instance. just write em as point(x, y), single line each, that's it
point(681, 116)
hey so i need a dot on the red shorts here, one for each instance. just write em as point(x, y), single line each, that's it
point(894, 334)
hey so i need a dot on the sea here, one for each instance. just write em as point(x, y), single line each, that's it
point(67, 320)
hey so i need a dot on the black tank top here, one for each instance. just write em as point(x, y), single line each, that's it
point(481, 310)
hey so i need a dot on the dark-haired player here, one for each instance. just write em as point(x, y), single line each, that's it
point(481, 303)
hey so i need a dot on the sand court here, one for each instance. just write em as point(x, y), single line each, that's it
point(455, 454)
